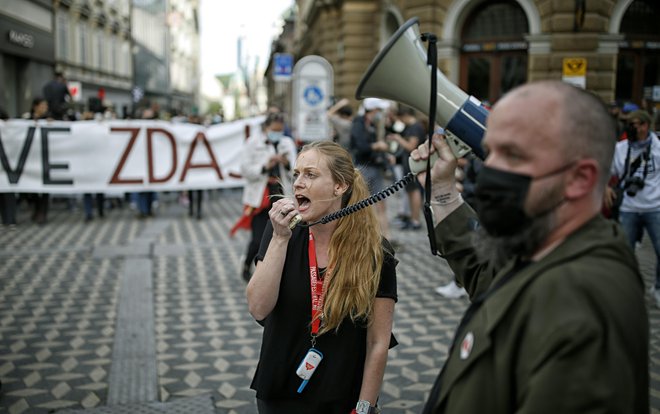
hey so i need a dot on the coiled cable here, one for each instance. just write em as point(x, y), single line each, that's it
point(372, 199)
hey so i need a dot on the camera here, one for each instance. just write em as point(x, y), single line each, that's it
point(633, 185)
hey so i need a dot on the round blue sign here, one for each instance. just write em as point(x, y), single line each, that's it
point(313, 95)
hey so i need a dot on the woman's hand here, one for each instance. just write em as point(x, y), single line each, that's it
point(281, 214)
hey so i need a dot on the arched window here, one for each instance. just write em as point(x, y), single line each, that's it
point(493, 49)
point(638, 65)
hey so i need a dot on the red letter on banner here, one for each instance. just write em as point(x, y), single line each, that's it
point(150, 155)
point(115, 177)
point(200, 137)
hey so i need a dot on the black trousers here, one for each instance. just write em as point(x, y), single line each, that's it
point(195, 195)
point(8, 208)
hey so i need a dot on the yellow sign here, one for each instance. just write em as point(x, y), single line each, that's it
point(575, 66)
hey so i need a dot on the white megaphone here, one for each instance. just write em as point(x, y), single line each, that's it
point(400, 72)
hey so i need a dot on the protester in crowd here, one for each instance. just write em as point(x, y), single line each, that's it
point(635, 166)
point(88, 205)
point(370, 151)
point(90, 199)
point(39, 110)
point(145, 200)
point(626, 109)
point(352, 278)
point(557, 298)
point(408, 139)
point(195, 197)
point(274, 109)
point(56, 92)
point(266, 165)
point(614, 108)
point(340, 116)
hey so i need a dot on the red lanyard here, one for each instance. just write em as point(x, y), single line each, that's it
point(316, 284)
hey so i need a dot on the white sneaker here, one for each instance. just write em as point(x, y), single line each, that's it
point(451, 290)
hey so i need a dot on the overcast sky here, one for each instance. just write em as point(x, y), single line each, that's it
point(223, 21)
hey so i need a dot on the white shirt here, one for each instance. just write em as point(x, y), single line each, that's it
point(647, 199)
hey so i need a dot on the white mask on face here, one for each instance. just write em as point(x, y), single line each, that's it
point(275, 136)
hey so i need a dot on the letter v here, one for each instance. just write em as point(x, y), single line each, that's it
point(15, 175)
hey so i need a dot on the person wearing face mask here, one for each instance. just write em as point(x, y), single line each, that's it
point(325, 294)
point(635, 164)
point(266, 164)
point(557, 321)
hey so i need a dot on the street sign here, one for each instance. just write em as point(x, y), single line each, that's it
point(75, 89)
point(574, 71)
point(282, 66)
point(312, 90)
point(137, 93)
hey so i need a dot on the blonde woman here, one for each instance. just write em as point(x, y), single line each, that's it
point(324, 294)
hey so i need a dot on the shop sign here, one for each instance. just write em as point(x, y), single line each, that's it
point(25, 40)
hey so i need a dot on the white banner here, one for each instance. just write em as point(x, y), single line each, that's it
point(116, 156)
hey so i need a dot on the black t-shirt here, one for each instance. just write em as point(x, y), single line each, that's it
point(286, 337)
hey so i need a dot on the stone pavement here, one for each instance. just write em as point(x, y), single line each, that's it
point(141, 316)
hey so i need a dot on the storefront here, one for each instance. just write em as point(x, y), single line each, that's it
point(26, 63)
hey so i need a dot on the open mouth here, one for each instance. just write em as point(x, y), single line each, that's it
point(303, 202)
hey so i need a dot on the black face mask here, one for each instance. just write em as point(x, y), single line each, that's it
point(500, 200)
point(631, 132)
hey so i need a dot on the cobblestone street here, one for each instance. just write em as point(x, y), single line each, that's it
point(73, 292)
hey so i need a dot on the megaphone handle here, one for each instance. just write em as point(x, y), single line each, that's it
point(420, 165)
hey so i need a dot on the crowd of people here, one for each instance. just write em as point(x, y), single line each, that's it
point(540, 236)
point(557, 300)
point(55, 103)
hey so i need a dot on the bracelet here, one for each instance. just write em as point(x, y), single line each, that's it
point(445, 199)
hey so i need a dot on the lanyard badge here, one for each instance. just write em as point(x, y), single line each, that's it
point(314, 356)
point(308, 366)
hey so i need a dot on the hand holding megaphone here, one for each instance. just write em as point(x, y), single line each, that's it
point(443, 161)
point(462, 116)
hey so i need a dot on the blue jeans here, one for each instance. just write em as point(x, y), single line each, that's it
point(634, 224)
point(88, 203)
point(144, 201)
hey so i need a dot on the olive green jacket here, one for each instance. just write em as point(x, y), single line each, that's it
point(566, 334)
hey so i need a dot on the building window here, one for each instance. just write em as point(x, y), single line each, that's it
point(113, 55)
point(493, 50)
point(62, 40)
point(641, 18)
point(83, 33)
point(126, 58)
point(497, 20)
point(638, 63)
point(100, 50)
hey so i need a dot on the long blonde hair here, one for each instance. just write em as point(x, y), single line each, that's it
point(356, 253)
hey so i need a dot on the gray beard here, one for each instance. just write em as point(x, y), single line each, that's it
point(496, 251)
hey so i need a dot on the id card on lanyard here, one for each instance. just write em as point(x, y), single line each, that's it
point(313, 356)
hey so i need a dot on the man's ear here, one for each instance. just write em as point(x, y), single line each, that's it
point(584, 178)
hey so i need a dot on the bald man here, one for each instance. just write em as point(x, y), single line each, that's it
point(557, 321)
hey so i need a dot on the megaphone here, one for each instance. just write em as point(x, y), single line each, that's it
point(400, 73)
